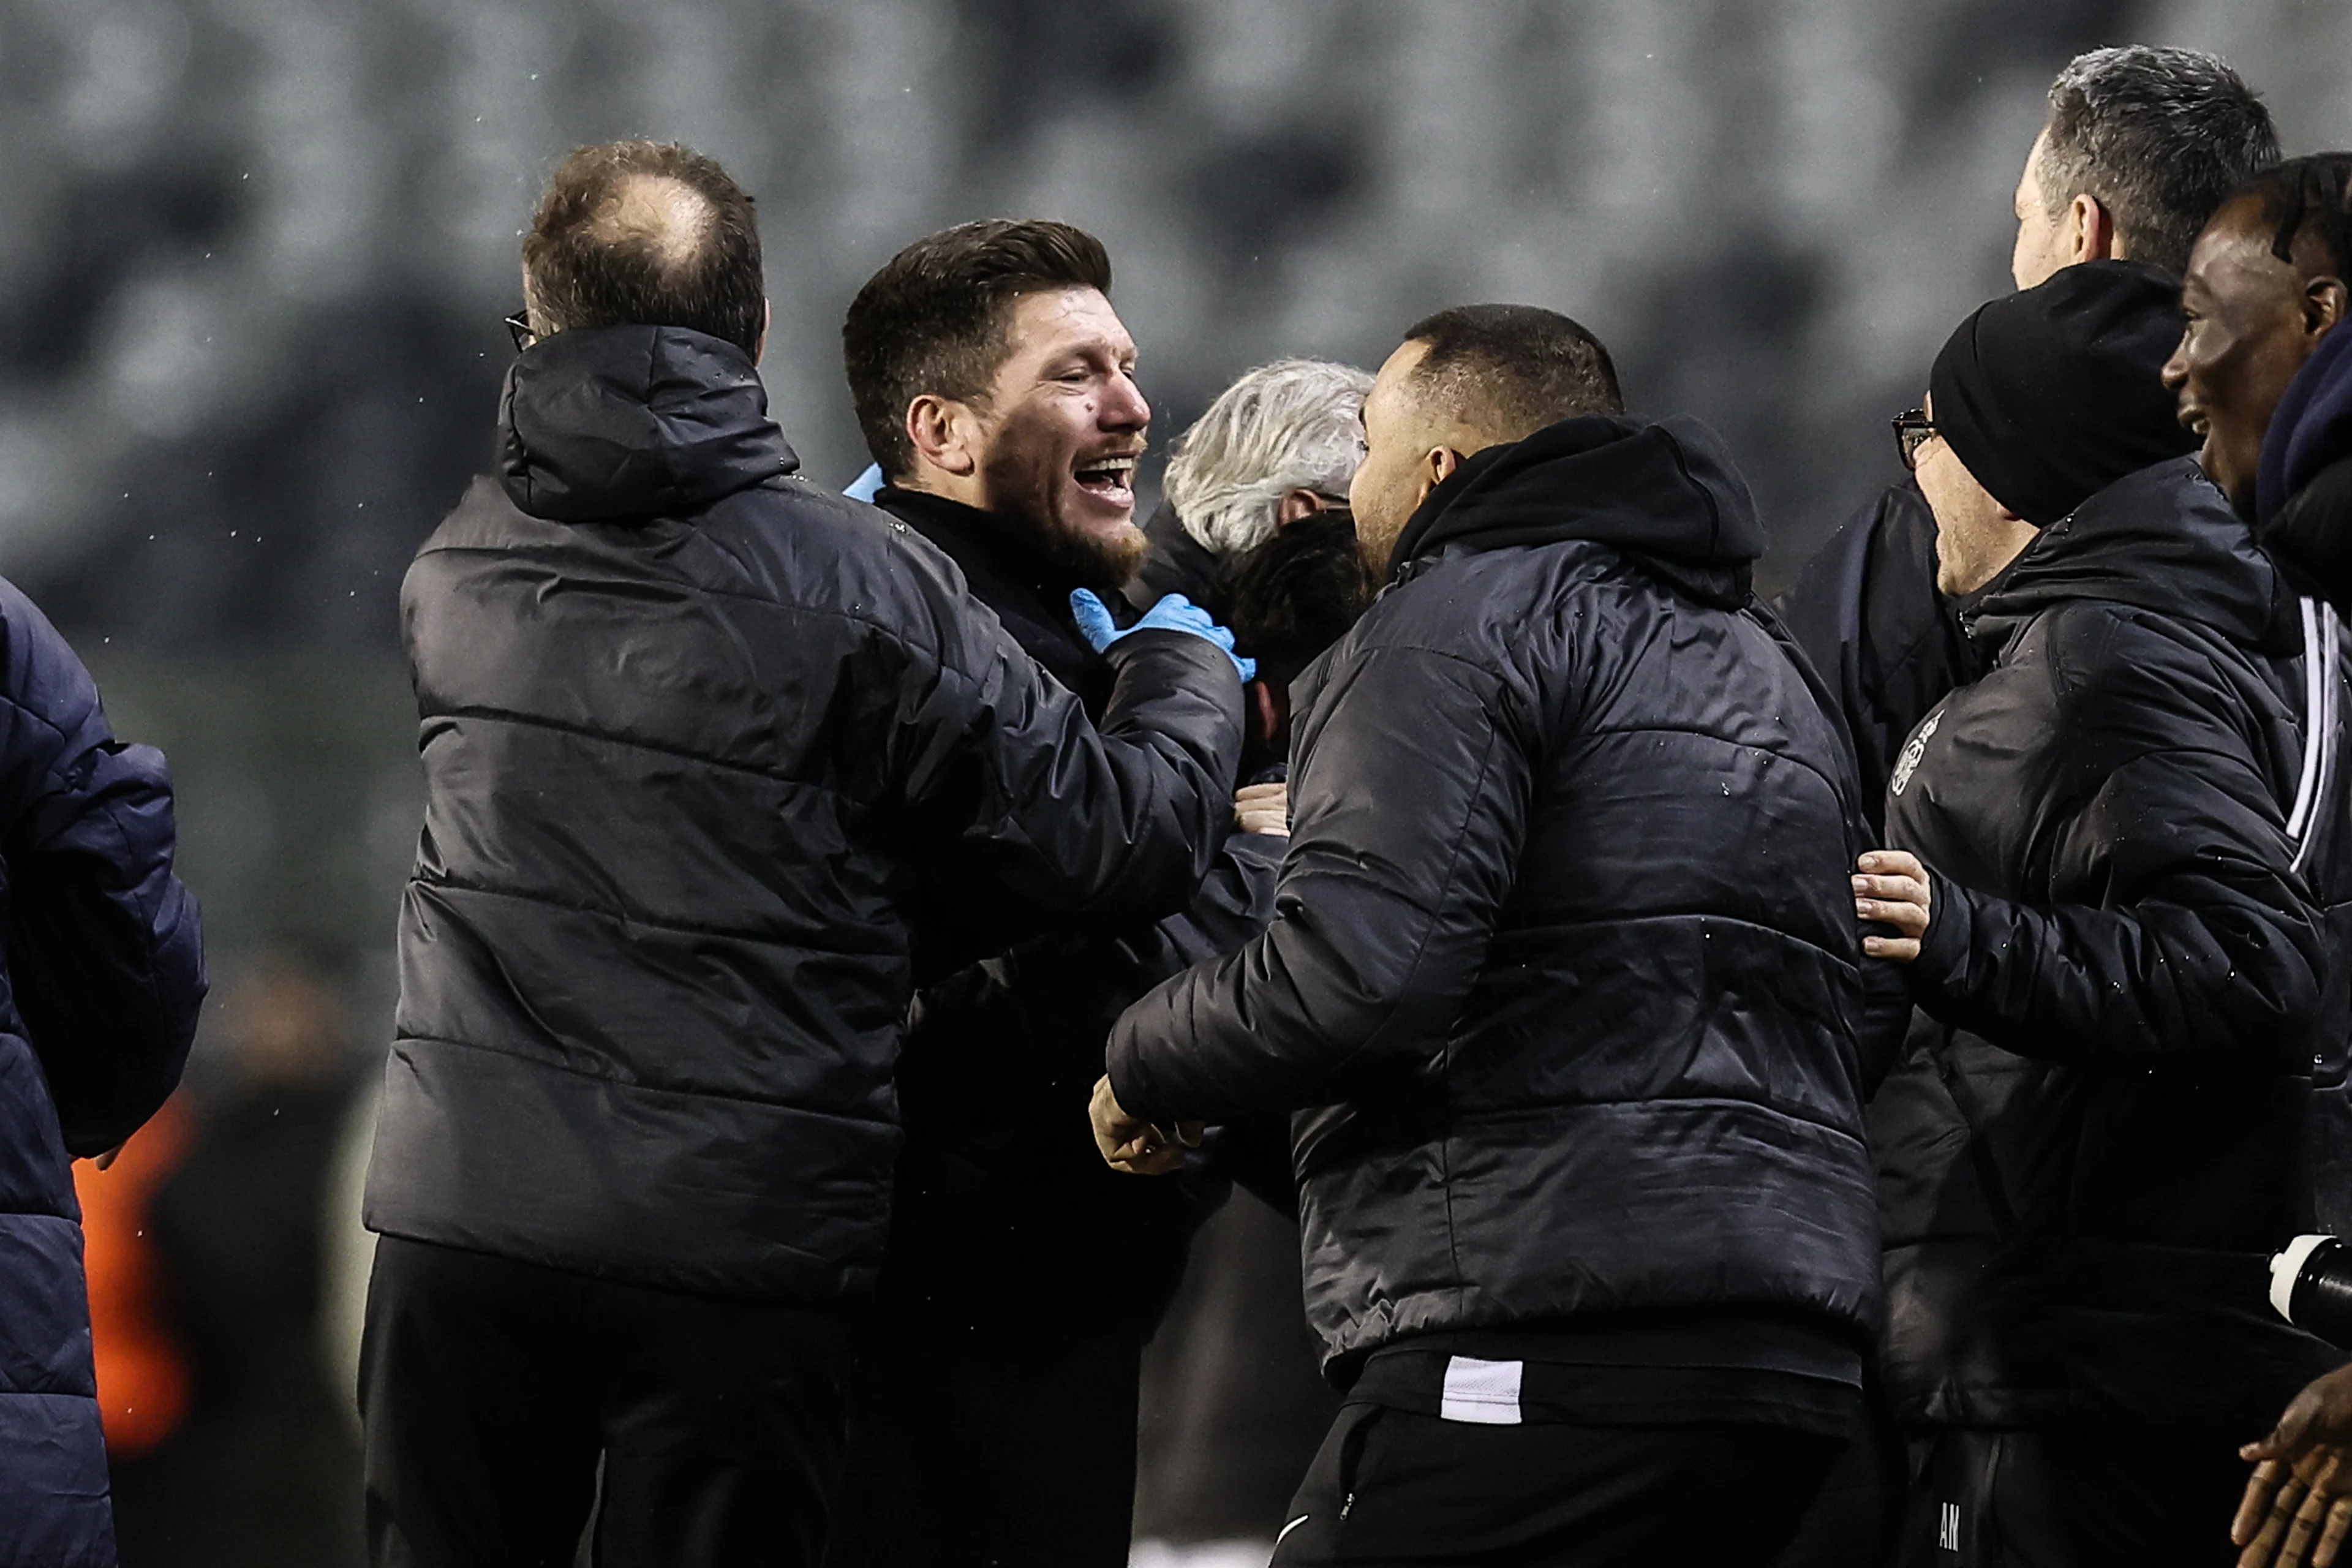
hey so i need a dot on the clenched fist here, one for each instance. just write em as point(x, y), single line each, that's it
point(1138, 1148)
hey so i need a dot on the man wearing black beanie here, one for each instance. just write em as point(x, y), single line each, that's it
point(2092, 1141)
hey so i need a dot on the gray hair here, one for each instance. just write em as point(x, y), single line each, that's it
point(1292, 425)
point(2158, 137)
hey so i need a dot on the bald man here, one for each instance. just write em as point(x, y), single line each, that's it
point(689, 726)
point(1565, 985)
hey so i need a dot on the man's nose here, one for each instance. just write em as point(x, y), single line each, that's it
point(2176, 369)
point(1125, 408)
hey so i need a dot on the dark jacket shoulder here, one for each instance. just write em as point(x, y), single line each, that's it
point(1867, 612)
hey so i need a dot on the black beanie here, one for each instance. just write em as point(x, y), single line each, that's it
point(2051, 394)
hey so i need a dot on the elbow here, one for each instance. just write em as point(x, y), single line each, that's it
point(2293, 1001)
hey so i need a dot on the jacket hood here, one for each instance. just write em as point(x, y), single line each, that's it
point(2163, 538)
point(2312, 427)
point(1667, 492)
point(611, 424)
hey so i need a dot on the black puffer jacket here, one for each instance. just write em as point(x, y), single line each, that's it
point(2085, 1162)
point(1866, 612)
point(1564, 955)
point(687, 725)
point(1006, 1217)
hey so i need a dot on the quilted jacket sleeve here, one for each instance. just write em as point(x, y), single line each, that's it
point(2173, 923)
point(1407, 824)
point(105, 953)
point(1054, 815)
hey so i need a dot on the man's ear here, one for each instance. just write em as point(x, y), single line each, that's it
point(1297, 503)
point(945, 434)
point(2323, 303)
point(2091, 231)
point(1437, 466)
point(767, 319)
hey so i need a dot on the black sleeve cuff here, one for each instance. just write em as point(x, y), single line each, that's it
point(1129, 1081)
point(1942, 964)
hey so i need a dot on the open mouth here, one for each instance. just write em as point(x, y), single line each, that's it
point(1111, 478)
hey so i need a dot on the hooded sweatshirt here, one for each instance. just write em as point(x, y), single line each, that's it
point(1563, 983)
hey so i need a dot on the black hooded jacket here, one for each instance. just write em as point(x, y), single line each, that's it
point(1006, 1217)
point(1563, 980)
point(2087, 1156)
point(689, 726)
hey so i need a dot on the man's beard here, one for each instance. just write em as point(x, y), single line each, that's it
point(1072, 556)
point(1084, 560)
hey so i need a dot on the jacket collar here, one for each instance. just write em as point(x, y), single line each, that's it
point(1666, 492)
point(981, 543)
point(617, 424)
point(2163, 538)
point(2311, 428)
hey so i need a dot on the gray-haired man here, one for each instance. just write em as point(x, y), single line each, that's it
point(1278, 445)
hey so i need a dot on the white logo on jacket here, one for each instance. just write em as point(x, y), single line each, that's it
point(1912, 749)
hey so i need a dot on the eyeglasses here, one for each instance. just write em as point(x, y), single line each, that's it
point(1912, 430)
point(518, 327)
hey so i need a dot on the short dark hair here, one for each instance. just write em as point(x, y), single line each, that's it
point(1514, 369)
point(1293, 594)
point(647, 233)
point(2307, 197)
point(2158, 137)
point(934, 320)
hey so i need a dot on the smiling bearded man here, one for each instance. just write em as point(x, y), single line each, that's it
point(996, 1418)
point(996, 388)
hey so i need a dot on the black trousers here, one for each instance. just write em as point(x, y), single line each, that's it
point(503, 1403)
point(2070, 1500)
point(1854, 1516)
point(971, 1450)
point(1390, 1487)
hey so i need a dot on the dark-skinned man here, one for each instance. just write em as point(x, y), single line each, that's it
point(2085, 1164)
point(2265, 378)
point(2260, 370)
point(1563, 990)
point(2141, 147)
point(995, 1419)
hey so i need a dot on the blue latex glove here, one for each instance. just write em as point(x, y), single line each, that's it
point(1173, 614)
point(867, 485)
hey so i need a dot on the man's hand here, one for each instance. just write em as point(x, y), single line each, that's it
point(1892, 888)
point(1173, 613)
point(1138, 1148)
point(1263, 808)
point(2299, 1499)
